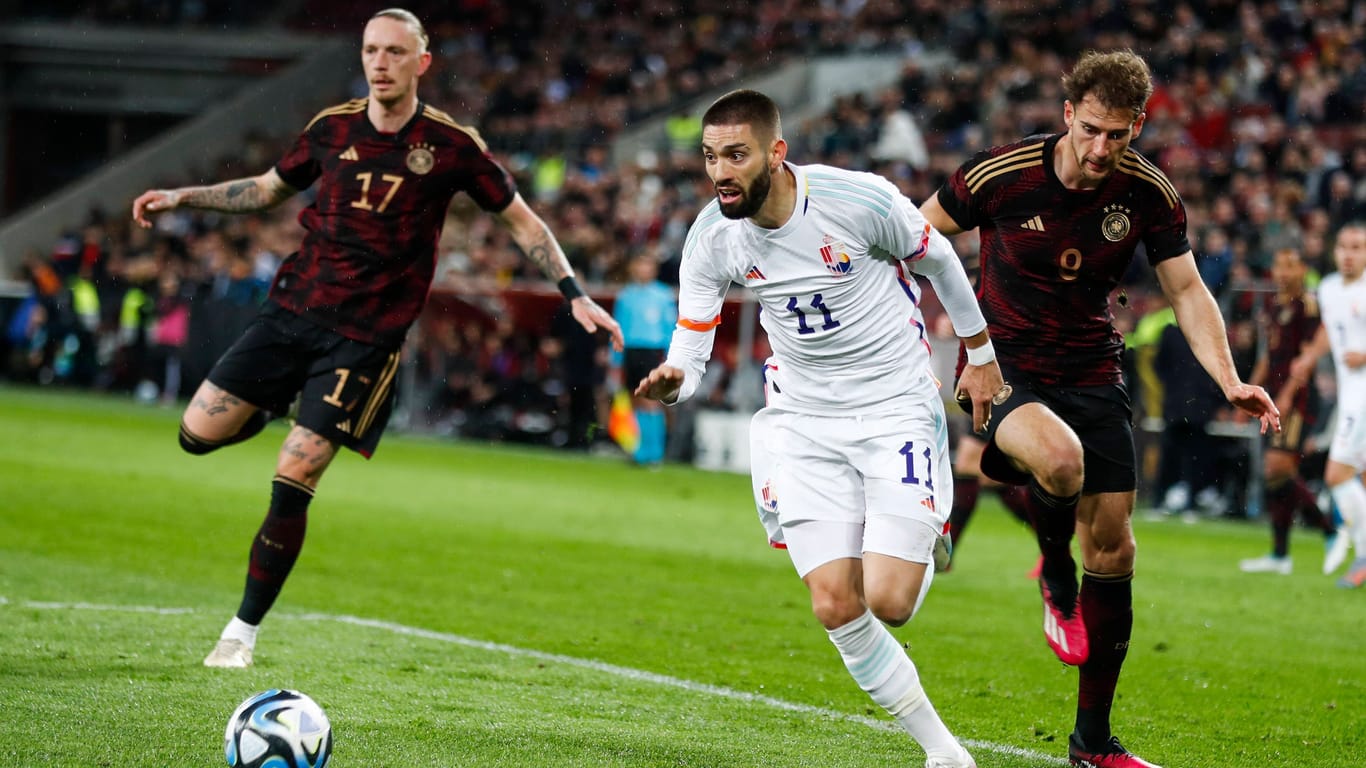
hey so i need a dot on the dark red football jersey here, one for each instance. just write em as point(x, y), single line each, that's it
point(367, 261)
point(1051, 256)
point(1289, 324)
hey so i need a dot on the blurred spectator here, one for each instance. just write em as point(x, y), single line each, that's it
point(27, 340)
point(1187, 479)
point(1257, 118)
point(170, 332)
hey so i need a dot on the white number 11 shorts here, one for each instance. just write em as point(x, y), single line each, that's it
point(831, 487)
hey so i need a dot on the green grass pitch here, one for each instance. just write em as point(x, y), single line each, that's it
point(460, 605)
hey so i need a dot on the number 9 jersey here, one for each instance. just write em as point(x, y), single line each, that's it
point(1051, 256)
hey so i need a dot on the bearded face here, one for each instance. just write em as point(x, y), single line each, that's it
point(738, 166)
point(740, 201)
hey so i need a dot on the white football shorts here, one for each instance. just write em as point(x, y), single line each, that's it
point(831, 487)
point(1349, 434)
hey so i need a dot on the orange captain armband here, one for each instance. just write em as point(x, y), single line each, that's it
point(700, 327)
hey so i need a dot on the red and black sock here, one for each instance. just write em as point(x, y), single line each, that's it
point(275, 548)
point(965, 490)
point(1107, 608)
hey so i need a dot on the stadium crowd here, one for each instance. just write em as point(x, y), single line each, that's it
point(1259, 120)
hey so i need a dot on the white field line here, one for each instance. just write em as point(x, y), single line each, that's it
point(637, 675)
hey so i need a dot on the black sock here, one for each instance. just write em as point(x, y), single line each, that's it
point(1015, 498)
point(275, 548)
point(1107, 608)
point(1280, 510)
point(1055, 522)
point(198, 446)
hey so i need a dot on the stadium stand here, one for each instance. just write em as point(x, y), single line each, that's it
point(1258, 120)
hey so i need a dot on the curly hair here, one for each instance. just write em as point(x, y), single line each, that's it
point(1118, 79)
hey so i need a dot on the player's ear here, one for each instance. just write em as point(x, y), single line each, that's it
point(1138, 124)
point(1068, 112)
point(777, 155)
point(423, 62)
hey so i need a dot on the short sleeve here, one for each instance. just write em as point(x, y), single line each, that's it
point(299, 168)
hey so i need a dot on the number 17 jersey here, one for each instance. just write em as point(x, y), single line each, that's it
point(369, 255)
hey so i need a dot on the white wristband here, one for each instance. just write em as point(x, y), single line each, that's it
point(981, 355)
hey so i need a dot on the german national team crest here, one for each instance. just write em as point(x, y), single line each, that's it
point(420, 159)
point(835, 258)
point(1116, 225)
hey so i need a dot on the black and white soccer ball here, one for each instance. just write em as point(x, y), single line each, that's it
point(278, 728)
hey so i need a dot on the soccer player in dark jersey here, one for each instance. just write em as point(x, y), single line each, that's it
point(1289, 319)
point(1060, 218)
point(386, 169)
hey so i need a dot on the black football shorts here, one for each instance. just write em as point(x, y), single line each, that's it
point(1101, 416)
point(345, 387)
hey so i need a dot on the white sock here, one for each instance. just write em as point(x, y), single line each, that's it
point(881, 667)
point(1351, 500)
point(240, 630)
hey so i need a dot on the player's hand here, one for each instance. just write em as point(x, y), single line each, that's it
point(661, 384)
point(153, 201)
point(983, 386)
point(1257, 403)
point(592, 316)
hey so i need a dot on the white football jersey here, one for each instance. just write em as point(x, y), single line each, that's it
point(837, 299)
point(1342, 308)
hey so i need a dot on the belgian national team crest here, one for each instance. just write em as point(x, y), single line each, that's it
point(420, 159)
point(1115, 226)
point(835, 258)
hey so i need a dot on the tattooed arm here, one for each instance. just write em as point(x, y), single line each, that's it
point(533, 236)
point(536, 241)
point(255, 193)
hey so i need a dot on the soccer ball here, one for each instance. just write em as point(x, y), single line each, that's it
point(278, 729)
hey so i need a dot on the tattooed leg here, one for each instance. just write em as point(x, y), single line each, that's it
point(305, 456)
point(216, 417)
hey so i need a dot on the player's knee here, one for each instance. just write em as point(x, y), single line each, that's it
point(1062, 476)
point(1114, 556)
point(194, 444)
point(835, 610)
point(894, 612)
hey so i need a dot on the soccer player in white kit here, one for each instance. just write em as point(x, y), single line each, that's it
point(850, 458)
point(1342, 307)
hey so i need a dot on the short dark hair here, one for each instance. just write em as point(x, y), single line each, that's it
point(1118, 79)
point(407, 17)
point(746, 107)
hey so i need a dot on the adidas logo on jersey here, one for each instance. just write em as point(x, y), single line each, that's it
point(1035, 224)
point(755, 274)
point(350, 153)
